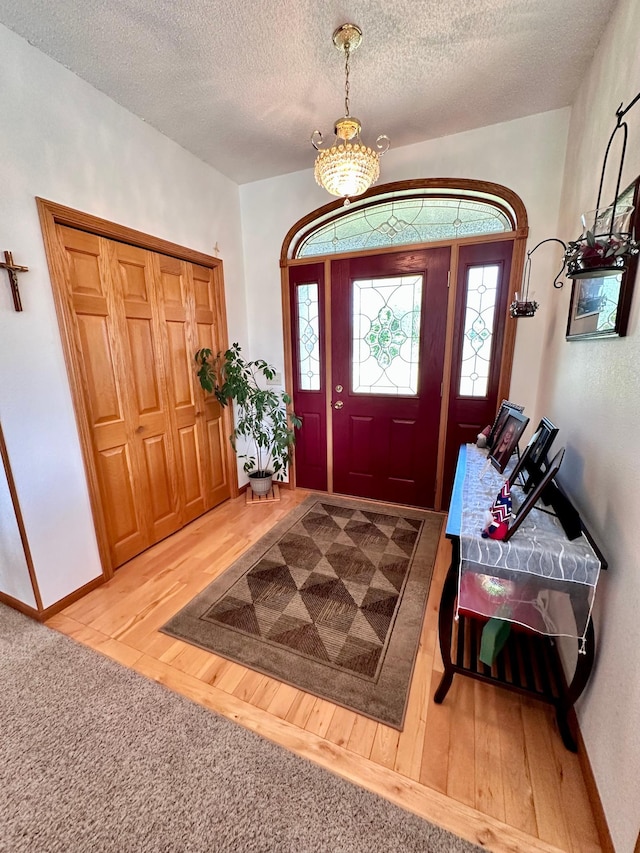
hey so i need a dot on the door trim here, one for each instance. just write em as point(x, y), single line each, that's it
point(518, 235)
point(51, 215)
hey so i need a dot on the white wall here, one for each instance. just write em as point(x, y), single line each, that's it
point(526, 155)
point(591, 390)
point(63, 140)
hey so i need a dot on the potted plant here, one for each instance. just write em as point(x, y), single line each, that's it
point(262, 416)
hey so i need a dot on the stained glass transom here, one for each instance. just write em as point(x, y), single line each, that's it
point(308, 337)
point(482, 289)
point(386, 335)
point(404, 221)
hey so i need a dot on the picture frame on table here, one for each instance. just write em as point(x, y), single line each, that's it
point(544, 435)
point(503, 413)
point(529, 502)
point(534, 459)
point(507, 439)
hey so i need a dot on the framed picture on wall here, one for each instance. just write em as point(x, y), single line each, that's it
point(600, 306)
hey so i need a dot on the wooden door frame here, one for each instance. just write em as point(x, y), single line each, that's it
point(466, 187)
point(51, 215)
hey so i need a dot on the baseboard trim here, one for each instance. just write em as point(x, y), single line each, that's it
point(602, 826)
point(73, 596)
point(10, 601)
point(43, 615)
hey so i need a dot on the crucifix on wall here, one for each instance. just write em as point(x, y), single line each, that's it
point(12, 271)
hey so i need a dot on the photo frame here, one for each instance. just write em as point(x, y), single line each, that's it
point(507, 439)
point(600, 307)
point(501, 417)
point(534, 459)
point(529, 502)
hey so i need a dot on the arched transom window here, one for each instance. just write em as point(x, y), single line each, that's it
point(424, 216)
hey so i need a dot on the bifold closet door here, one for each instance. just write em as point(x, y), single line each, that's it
point(135, 319)
point(186, 301)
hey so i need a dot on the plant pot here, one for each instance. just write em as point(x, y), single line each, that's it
point(261, 482)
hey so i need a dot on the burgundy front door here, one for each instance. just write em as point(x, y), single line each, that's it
point(388, 325)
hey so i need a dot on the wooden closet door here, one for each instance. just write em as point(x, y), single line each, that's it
point(158, 444)
point(91, 307)
point(197, 423)
point(145, 379)
point(205, 333)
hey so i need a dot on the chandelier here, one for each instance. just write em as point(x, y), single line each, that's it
point(348, 167)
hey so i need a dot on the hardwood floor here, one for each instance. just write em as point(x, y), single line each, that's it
point(486, 764)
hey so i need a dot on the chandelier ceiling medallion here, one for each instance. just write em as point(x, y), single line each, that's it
point(349, 167)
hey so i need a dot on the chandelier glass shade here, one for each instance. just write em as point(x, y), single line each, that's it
point(348, 167)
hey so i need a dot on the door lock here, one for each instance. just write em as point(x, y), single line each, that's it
point(339, 389)
point(338, 404)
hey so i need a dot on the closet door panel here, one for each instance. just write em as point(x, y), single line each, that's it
point(119, 501)
point(176, 306)
point(213, 433)
point(92, 305)
point(147, 391)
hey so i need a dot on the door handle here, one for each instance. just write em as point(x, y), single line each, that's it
point(338, 404)
point(140, 429)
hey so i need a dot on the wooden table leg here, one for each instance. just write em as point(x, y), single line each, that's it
point(445, 627)
point(581, 675)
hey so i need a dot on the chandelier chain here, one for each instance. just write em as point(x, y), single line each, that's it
point(347, 53)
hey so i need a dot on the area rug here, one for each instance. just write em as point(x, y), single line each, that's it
point(331, 601)
point(95, 757)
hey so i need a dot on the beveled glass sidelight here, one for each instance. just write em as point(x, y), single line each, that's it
point(308, 336)
point(479, 321)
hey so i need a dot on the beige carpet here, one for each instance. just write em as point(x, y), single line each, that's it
point(331, 601)
point(94, 757)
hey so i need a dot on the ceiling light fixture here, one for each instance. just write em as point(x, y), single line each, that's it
point(348, 168)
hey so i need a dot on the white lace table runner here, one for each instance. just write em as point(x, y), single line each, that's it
point(538, 578)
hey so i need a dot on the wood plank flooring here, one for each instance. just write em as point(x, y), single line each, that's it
point(486, 764)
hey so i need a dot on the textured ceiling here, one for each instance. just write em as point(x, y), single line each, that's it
point(243, 84)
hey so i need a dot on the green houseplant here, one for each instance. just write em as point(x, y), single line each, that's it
point(262, 418)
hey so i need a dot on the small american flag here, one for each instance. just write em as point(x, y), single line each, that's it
point(498, 515)
point(501, 509)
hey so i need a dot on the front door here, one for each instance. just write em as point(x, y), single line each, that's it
point(388, 330)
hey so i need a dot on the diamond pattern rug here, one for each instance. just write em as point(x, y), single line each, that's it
point(331, 601)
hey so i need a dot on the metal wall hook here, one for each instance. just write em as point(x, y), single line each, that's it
point(527, 274)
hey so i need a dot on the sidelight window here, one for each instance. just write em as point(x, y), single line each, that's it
point(479, 324)
point(308, 336)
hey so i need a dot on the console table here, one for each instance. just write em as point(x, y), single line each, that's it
point(538, 562)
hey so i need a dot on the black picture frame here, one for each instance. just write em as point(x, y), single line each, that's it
point(534, 460)
point(507, 439)
point(529, 502)
point(503, 412)
point(600, 307)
